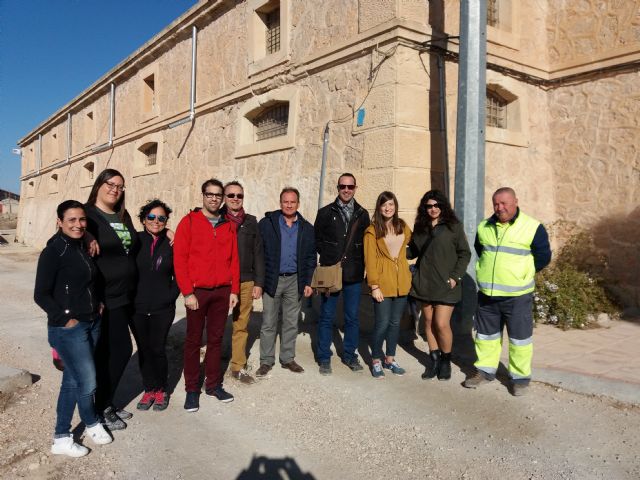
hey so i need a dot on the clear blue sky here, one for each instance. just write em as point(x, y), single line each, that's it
point(51, 50)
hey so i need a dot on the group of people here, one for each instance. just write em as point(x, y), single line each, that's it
point(98, 278)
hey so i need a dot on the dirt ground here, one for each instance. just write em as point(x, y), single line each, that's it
point(306, 426)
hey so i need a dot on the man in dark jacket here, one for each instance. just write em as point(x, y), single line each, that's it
point(290, 259)
point(251, 275)
point(339, 229)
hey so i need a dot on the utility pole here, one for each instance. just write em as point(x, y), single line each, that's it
point(470, 145)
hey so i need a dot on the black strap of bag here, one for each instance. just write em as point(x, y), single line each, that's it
point(349, 239)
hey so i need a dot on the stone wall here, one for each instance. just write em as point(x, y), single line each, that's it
point(595, 140)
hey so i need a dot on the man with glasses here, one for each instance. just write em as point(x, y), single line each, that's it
point(289, 261)
point(208, 274)
point(339, 229)
point(511, 248)
point(251, 275)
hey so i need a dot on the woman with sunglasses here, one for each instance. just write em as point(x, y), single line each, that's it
point(65, 289)
point(443, 254)
point(110, 224)
point(389, 278)
point(155, 303)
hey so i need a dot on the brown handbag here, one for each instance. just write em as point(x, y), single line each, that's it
point(328, 278)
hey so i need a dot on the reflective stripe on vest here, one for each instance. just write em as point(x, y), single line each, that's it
point(506, 267)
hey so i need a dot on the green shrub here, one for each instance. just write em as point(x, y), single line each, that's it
point(569, 293)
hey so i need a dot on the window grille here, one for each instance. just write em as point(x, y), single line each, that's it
point(151, 152)
point(496, 110)
point(272, 122)
point(492, 13)
point(272, 22)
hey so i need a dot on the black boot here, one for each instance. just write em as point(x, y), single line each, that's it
point(433, 369)
point(445, 367)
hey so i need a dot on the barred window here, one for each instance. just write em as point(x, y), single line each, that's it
point(493, 13)
point(151, 153)
point(89, 168)
point(272, 122)
point(496, 110)
point(272, 32)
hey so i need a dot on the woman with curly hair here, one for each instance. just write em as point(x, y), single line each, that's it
point(389, 278)
point(443, 254)
point(155, 303)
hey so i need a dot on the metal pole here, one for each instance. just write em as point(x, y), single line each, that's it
point(470, 135)
point(323, 166)
point(443, 121)
point(68, 136)
point(112, 108)
point(194, 46)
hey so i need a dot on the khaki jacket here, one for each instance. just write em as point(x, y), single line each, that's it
point(392, 276)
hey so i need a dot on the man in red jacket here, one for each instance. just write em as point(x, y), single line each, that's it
point(207, 269)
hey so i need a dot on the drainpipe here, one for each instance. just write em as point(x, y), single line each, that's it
point(443, 122)
point(112, 103)
point(323, 167)
point(68, 137)
point(192, 104)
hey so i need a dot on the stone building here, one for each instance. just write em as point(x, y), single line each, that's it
point(563, 123)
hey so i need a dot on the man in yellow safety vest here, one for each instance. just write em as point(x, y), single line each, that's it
point(511, 248)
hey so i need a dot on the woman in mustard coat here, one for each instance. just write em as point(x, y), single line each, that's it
point(389, 278)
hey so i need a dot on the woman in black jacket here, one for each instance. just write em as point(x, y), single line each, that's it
point(65, 289)
point(443, 254)
point(110, 224)
point(155, 303)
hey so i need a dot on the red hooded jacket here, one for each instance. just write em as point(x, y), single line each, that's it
point(204, 256)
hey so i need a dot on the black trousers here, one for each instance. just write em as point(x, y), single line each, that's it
point(112, 353)
point(151, 330)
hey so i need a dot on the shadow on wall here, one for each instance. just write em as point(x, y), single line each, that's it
point(617, 239)
point(265, 468)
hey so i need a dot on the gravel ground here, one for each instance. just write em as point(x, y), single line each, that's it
point(308, 426)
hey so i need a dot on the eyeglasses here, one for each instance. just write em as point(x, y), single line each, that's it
point(434, 205)
point(114, 186)
point(161, 218)
point(239, 196)
point(346, 187)
point(212, 195)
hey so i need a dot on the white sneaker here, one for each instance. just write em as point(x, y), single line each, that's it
point(66, 446)
point(99, 435)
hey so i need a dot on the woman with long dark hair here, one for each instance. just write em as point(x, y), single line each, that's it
point(443, 254)
point(155, 303)
point(65, 290)
point(389, 278)
point(110, 224)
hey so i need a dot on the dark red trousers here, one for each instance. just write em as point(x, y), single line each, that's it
point(213, 308)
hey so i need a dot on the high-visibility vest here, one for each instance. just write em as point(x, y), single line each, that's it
point(506, 267)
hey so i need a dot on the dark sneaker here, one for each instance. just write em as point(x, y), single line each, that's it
point(519, 389)
point(111, 420)
point(394, 367)
point(377, 371)
point(475, 380)
point(123, 414)
point(161, 400)
point(220, 393)
point(192, 402)
point(243, 377)
point(354, 365)
point(325, 368)
point(263, 370)
point(148, 399)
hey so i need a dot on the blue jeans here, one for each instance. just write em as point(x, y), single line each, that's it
point(76, 345)
point(351, 305)
point(387, 327)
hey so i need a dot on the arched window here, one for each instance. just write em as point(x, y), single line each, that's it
point(496, 110)
point(150, 151)
point(271, 122)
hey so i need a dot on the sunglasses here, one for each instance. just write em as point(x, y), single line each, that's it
point(212, 195)
point(348, 187)
point(114, 186)
point(239, 196)
point(434, 205)
point(161, 218)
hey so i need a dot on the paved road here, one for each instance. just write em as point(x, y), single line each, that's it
point(344, 426)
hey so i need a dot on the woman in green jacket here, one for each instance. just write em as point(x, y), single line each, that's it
point(443, 254)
